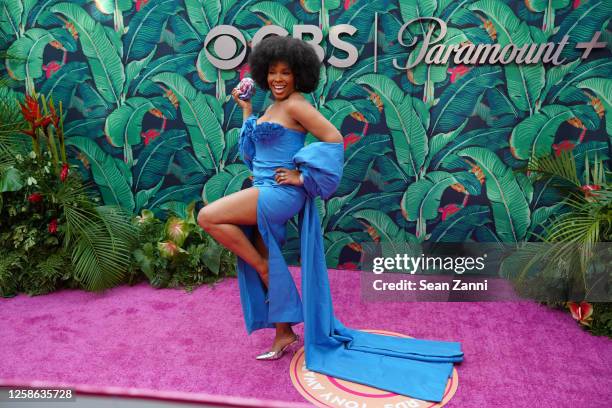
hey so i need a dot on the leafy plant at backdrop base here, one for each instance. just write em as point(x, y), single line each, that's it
point(52, 233)
point(178, 252)
point(574, 265)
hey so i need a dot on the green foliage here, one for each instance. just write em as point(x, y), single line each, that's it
point(572, 263)
point(178, 253)
point(602, 319)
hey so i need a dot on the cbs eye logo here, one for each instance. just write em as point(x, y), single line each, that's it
point(225, 46)
point(225, 40)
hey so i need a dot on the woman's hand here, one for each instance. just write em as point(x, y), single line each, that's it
point(245, 105)
point(286, 176)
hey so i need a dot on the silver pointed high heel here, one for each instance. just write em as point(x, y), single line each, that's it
point(275, 355)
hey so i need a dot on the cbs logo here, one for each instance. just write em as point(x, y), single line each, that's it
point(227, 40)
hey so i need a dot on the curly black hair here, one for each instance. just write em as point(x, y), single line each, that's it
point(299, 55)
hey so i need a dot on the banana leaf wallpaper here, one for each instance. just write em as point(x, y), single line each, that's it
point(430, 152)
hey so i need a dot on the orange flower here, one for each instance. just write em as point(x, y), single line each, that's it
point(172, 98)
point(372, 232)
point(376, 99)
point(156, 112)
point(70, 27)
point(355, 247)
point(477, 171)
point(57, 45)
point(597, 105)
point(458, 187)
point(490, 28)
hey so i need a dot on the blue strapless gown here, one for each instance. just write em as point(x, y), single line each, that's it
point(412, 367)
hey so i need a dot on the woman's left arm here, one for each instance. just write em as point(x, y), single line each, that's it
point(313, 121)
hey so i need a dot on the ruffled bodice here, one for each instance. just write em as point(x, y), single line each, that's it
point(267, 146)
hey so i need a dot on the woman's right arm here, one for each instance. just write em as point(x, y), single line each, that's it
point(246, 147)
point(247, 107)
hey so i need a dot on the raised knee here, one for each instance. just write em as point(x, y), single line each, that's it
point(204, 219)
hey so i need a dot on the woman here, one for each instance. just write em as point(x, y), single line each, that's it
point(252, 223)
point(290, 114)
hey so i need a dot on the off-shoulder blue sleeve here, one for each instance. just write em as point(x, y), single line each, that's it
point(246, 144)
point(321, 165)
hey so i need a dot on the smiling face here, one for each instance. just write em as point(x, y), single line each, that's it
point(280, 80)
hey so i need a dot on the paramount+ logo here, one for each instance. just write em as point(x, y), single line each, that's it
point(230, 46)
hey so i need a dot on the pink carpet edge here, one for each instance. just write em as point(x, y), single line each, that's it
point(175, 396)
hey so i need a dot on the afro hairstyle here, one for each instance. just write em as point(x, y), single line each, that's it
point(299, 55)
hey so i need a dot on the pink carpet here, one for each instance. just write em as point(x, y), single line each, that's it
point(516, 354)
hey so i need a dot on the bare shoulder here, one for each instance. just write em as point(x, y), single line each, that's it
point(311, 119)
point(296, 101)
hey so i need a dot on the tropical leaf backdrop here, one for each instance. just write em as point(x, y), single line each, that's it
point(431, 153)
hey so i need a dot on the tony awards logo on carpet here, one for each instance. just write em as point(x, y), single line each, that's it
point(326, 391)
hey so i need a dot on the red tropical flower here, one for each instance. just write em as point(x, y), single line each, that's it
point(31, 113)
point(53, 116)
point(51, 68)
point(347, 3)
point(149, 135)
point(140, 3)
point(582, 312)
point(53, 226)
point(35, 198)
point(575, 4)
point(348, 266)
point(457, 71)
point(564, 146)
point(350, 139)
point(64, 172)
point(589, 188)
point(30, 109)
point(448, 209)
point(244, 69)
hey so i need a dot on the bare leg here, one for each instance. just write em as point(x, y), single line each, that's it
point(221, 219)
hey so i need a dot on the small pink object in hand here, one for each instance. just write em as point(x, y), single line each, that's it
point(246, 88)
